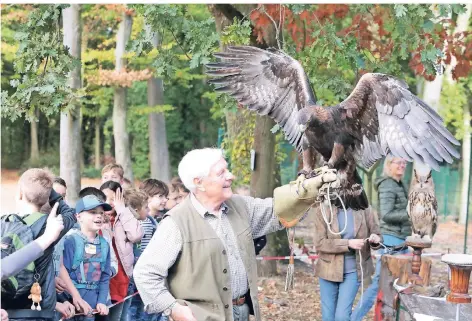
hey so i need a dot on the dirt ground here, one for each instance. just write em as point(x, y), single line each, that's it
point(303, 302)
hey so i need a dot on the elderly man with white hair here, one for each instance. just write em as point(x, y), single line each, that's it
point(200, 263)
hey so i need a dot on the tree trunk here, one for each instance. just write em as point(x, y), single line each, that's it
point(158, 148)
point(461, 26)
point(97, 143)
point(122, 146)
point(263, 176)
point(34, 150)
point(70, 121)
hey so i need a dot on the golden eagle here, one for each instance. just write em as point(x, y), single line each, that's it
point(381, 116)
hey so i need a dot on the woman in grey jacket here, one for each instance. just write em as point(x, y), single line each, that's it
point(395, 224)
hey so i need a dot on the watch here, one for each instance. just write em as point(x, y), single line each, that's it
point(167, 312)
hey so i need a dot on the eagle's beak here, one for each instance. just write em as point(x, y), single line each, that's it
point(302, 128)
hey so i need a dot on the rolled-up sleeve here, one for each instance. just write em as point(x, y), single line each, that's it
point(152, 268)
point(262, 218)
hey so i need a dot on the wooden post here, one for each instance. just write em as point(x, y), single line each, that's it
point(393, 267)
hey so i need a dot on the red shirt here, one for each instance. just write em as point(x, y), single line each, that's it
point(118, 284)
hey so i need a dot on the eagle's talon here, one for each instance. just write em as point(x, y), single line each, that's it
point(303, 172)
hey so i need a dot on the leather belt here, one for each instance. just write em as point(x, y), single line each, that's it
point(239, 301)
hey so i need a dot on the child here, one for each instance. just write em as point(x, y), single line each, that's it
point(113, 172)
point(87, 256)
point(126, 183)
point(183, 191)
point(126, 231)
point(105, 231)
point(174, 196)
point(157, 192)
point(60, 186)
point(136, 201)
point(35, 190)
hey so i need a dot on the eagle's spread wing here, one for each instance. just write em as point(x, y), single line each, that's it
point(266, 81)
point(386, 117)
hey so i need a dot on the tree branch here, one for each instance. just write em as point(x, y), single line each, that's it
point(230, 13)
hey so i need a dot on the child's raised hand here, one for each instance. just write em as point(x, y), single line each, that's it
point(119, 201)
point(102, 309)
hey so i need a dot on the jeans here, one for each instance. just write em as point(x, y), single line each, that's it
point(136, 311)
point(115, 312)
point(337, 297)
point(370, 294)
point(127, 303)
point(241, 312)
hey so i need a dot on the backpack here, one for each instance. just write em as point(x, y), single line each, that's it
point(16, 233)
point(80, 259)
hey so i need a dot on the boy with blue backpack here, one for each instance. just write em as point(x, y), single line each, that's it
point(87, 256)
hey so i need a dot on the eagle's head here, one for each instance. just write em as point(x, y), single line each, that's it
point(304, 117)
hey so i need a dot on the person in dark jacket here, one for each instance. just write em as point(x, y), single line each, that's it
point(395, 223)
point(35, 189)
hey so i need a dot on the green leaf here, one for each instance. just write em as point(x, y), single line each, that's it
point(400, 10)
point(275, 129)
point(428, 26)
point(47, 89)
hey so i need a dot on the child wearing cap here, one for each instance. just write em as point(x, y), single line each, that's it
point(87, 256)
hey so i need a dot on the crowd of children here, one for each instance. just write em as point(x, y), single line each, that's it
point(78, 263)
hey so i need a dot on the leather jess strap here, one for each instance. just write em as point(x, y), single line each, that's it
point(239, 301)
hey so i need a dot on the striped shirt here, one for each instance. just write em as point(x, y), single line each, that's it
point(149, 226)
point(151, 270)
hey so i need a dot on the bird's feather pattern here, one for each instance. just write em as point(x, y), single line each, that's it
point(380, 117)
point(423, 206)
point(268, 82)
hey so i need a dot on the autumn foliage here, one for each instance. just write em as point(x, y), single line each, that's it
point(122, 78)
point(369, 29)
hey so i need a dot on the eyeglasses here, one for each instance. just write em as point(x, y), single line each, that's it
point(399, 163)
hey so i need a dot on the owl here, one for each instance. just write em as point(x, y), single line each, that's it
point(422, 207)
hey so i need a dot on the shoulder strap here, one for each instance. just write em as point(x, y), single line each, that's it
point(104, 250)
point(153, 221)
point(78, 251)
point(32, 218)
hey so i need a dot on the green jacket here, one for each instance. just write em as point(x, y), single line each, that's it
point(393, 200)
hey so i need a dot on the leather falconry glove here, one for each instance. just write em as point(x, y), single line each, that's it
point(293, 200)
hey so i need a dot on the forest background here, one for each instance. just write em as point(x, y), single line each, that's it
point(85, 85)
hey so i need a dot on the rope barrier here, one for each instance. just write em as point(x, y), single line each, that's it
point(313, 257)
point(94, 311)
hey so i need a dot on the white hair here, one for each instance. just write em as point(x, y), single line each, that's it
point(197, 164)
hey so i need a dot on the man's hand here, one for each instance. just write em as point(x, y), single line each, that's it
point(374, 239)
point(3, 315)
point(66, 309)
point(182, 313)
point(81, 305)
point(293, 200)
point(356, 244)
point(60, 285)
point(102, 309)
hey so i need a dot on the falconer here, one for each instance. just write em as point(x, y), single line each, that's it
point(200, 263)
